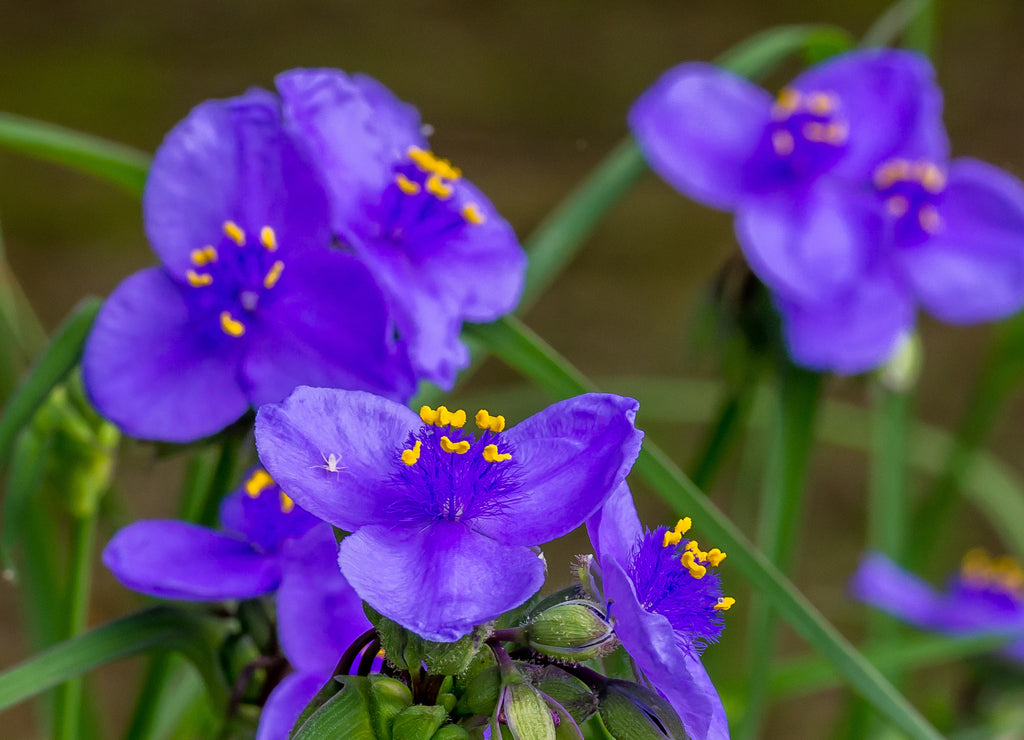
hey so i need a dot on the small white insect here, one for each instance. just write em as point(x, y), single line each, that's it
point(331, 463)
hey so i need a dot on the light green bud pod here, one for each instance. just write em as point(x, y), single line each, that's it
point(631, 712)
point(575, 630)
point(451, 732)
point(525, 712)
point(481, 693)
point(388, 699)
point(418, 722)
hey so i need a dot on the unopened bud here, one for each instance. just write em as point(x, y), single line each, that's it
point(450, 732)
point(524, 711)
point(418, 722)
point(900, 372)
point(388, 699)
point(574, 696)
point(631, 712)
point(481, 693)
point(576, 630)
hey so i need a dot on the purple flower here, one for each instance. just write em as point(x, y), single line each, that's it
point(250, 300)
point(846, 205)
point(445, 522)
point(434, 242)
point(666, 600)
point(987, 595)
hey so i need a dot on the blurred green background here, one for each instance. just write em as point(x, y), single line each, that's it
point(526, 97)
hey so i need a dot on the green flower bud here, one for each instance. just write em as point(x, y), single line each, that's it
point(388, 699)
point(631, 712)
point(524, 711)
point(566, 690)
point(451, 732)
point(575, 630)
point(481, 693)
point(418, 722)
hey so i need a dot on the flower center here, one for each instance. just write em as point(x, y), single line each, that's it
point(673, 577)
point(808, 132)
point(448, 473)
point(911, 192)
point(234, 276)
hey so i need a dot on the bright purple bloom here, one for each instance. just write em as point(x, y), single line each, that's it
point(666, 601)
point(986, 596)
point(846, 204)
point(448, 520)
point(441, 251)
point(251, 300)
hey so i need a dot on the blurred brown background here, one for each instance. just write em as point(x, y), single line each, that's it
point(526, 97)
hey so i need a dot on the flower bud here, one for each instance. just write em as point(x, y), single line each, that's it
point(418, 722)
point(450, 732)
point(632, 712)
point(575, 630)
point(527, 715)
point(388, 699)
point(570, 693)
point(481, 693)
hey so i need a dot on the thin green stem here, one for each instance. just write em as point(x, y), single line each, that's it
point(730, 420)
point(782, 505)
point(223, 477)
point(144, 721)
point(897, 19)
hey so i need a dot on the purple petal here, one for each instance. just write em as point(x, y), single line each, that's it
point(328, 326)
point(615, 528)
point(231, 160)
point(263, 518)
point(891, 104)
point(973, 270)
point(151, 368)
point(318, 612)
point(809, 245)
point(884, 585)
point(676, 673)
point(365, 432)
point(286, 702)
point(354, 127)
point(699, 126)
point(855, 333)
point(570, 458)
point(439, 581)
point(177, 560)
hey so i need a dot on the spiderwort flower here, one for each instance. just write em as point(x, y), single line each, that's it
point(441, 251)
point(250, 300)
point(666, 599)
point(446, 518)
point(987, 595)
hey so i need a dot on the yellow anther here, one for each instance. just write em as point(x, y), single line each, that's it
point(471, 212)
point(932, 179)
point(234, 232)
point(428, 415)
point(429, 162)
point(671, 538)
point(444, 416)
point(458, 419)
point(286, 503)
point(486, 421)
point(459, 448)
point(725, 603)
point(819, 103)
point(198, 279)
point(232, 327)
point(930, 220)
point(716, 556)
point(438, 187)
point(410, 457)
point(203, 256)
point(782, 143)
point(491, 454)
point(787, 102)
point(406, 185)
point(697, 570)
point(837, 133)
point(268, 239)
point(692, 546)
point(683, 525)
point(271, 278)
point(257, 483)
point(976, 564)
point(381, 653)
point(897, 205)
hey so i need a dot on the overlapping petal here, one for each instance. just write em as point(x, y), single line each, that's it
point(441, 580)
point(285, 704)
point(264, 519)
point(615, 527)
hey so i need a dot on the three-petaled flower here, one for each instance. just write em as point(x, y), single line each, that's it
point(448, 519)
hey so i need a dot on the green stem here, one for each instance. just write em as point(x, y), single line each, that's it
point(730, 420)
point(223, 477)
point(782, 504)
point(69, 696)
point(899, 18)
point(148, 705)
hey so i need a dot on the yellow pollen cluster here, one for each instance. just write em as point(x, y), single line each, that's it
point(257, 483)
point(437, 187)
point(273, 275)
point(198, 279)
point(459, 448)
point(412, 456)
point(429, 162)
point(790, 101)
point(268, 239)
point(443, 417)
point(674, 535)
point(485, 421)
point(693, 553)
point(782, 143)
point(725, 603)
point(203, 256)
point(406, 185)
point(286, 503)
point(491, 454)
point(826, 133)
point(927, 174)
point(234, 232)
point(1002, 572)
point(471, 212)
point(231, 326)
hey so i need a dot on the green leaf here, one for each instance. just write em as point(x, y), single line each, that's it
point(158, 628)
point(527, 353)
point(116, 163)
point(757, 56)
point(57, 360)
point(345, 716)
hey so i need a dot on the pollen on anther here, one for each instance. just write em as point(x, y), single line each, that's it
point(725, 603)
point(716, 556)
point(428, 415)
point(438, 187)
point(471, 212)
point(671, 538)
point(412, 456)
point(198, 279)
point(203, 256)
point(782, 143)
point(268, 239)
point(485, 421)
point(930, 219)
point(492, 455)
point(273, 275)
point(406, 185)
point(234, 232)
point(257, 483)
point(897, 205)
point(458, 448)
point(286, 503)
point(232, 327)
point(689, 562)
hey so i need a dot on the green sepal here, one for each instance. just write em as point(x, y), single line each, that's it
point(450, 732)
point(404, 648)
point(418, 722)
point(345, 716)
point(388, 698)
point(575, 696)
point(631, 712)
point(527, 713)
point(575, 630)
point(480, 694)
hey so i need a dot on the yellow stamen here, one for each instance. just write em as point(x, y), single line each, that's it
point(683, 525)
point(286, 503)
point(428, 415)
point(932, 179)
point(406, 185)
point(486, 421)
point(787, 102)
point(689, 562)
point(782, 143)
point(203, 256)
point(725, 603)
point(459, 448)
point(234, 232)
point(930, 219)
point(381, 653)
point(198, 280)
point(411, 457)
point(445, 417)
point(257, 483)
point(232, 327)
point(274, 275)
point(471, 212)
point(716, 556)
point(268, 239)
point(429, 162)
point(458, 419)
point(438, 187)
point(491, 454)
point(836, 133)
point(897, 205)
point(819, 103)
